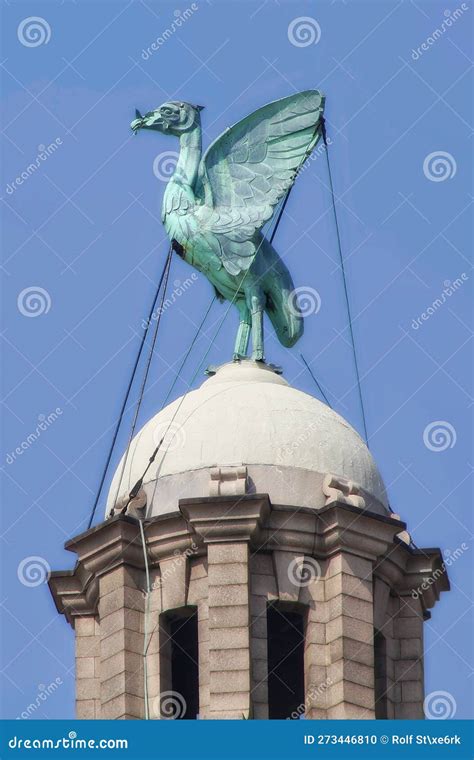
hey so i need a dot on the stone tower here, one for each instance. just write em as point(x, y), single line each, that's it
point(258, 573)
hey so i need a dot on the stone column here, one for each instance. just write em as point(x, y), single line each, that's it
point(229, 632)
point(228, 525)
point(349, 636)
point(121, 607)
point(263, 588)
point(408, 630)
point(316, 653)
point(87, 667)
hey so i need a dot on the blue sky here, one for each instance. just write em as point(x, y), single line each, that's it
point(84, 229)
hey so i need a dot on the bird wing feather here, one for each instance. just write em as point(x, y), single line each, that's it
point(249, 168)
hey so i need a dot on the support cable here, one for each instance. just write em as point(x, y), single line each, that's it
point(127, 394)
point(315, 380)
point(344, 279)
point(164, 280)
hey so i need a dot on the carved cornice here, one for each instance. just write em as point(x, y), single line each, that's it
point(227, 518)
point(339, 526)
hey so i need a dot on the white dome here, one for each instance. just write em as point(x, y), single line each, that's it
point(247, 415)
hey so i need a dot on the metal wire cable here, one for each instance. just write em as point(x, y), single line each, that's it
point(316, 382)
point(164, 281)
point(127, 394)
point(344, 279)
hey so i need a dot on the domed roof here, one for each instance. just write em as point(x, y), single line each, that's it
point(247, 415)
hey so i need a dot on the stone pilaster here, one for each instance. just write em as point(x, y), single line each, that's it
point(228, 526)
point(349, 636)
point(316, 654)
point(263, 589)
point(408, 668)
point(87, 667)
point(121, 609)
point(229, 686)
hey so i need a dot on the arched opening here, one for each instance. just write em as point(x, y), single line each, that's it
point(285, 648)
point(179, 664)
point(380, 675)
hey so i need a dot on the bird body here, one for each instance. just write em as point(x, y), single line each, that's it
point(215, 205)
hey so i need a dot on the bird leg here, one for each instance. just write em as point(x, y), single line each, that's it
point(243, 333)
point(257, 328)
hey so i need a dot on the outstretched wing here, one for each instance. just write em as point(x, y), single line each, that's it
point(249, 168)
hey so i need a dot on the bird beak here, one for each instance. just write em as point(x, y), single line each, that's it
point(137, 122)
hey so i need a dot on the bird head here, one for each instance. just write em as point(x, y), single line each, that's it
point(172, 118)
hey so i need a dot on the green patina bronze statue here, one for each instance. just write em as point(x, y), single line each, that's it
point(215, 205)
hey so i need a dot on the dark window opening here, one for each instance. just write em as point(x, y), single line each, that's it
point(179, 668)
point(285, 642)
point(380, 675)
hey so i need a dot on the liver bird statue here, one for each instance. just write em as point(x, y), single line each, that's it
point(215, 205)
